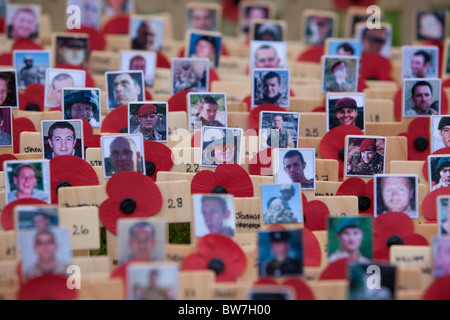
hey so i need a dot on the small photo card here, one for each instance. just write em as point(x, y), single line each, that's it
point(350, 237)
point(82, 103)
point(421, 97)
point(396, 193)
point(268, 54)
point(268, 30)
point(141, 239)
point(207, 109)
point(31, 66)
point(440, 132)
point(9, 92)
point(280, 253)
point(203, 16)
point(149, 119)
point(340, 73)
point(27, 179)
point(140, 60)
point(365, 156)
point(152, 281)
point(214, 213)
point(439, 171)
point(346, 109)
point(420, 62)
point(122, 153)
point(377, 40)
point(58, 79)
point(190, 74)
point(281, 203)
point(249, 10)
point(278, 129)
point(6, 127)
point(443, 215)
point(62, 138)
point(318, 26)
point(382, 287)
point(71, 48)
point(123, 87)
point(146, 33)
point(343, 47)
point(45, 252)
point(271, 86)
point(431, 24)
point(441, 256)
point(204, 44)
point(295, 166)
point(90, 10)
point(22, 21)
point(221, 145)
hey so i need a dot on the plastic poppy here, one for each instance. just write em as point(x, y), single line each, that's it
point(140, 199)
point(374, 66)
point(418, 136)
point(96, 38)
point(332, 145)
point(364, 192)
point(254, 115)
point(26, 44)
point(6, 59)
point(261, 163)
point(311, 54)
point(227, 178)
point(336, 270)
point(178, 102)
point(70, 171)
point(230, 9)
point(302, 290)
point(394, 228)
point(157, 157)
point(7, 216)
point(48, 287)
point(5, 157)
point(439, 289)
point(90, 139)
point(33, 98)
point(429, 203)
point(21, 125)
point(119, 24)
point(345, 4)
point(220, 254)
point(315, 214)
point(425, 164)
point(116, 121)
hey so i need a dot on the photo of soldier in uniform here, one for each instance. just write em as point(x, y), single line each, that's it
point(365, 156)
point(270, 86)
point(31, 66)
point(281, 203)
point(278, 129)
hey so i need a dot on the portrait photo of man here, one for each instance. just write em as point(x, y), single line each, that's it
point(140, 60)
point(58, 79)
point(440, 132)
point(146, 34)
point(124, 87)
point(271, 86)
point(268, 54)
point(343, 47)
point(22, 21)
point(443, 215)
point(431, 24)
point(149, 120)
point(318, 27)
point(377, 40)
point(122, 153)
point(280, 253)
point(221, 145)
point(420, 61)
point(296, 166)
point(71, 49)
point(441, 256)
point(82, 104)
point(350, 237)
point(439, 171)
point(421, 98)
point(204, 44)
point(214, 213)
point(281, 203)
point(203, 16)
point(62, 138)
point(207, 109)
point(345, 109)
point(190, 74)
point(365, 156)
point(6, 127)
point(278, 130)
point(267, 30)
point(396, 193)
point(27, 179)
point(141, 240)
point(340, 73)
point(31, 66)
point(250, 11)
point(38, 217)
point(9, 93)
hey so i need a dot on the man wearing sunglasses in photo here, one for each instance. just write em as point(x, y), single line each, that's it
point(294, 165)
point(373, 40)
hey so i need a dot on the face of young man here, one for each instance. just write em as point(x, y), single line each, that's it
point(63, 142)
point(45, 247)
point(81, 110)
point(278, 122)
point(396, 193)
point(351, 239)
point(141, 242)
point(24, 24)
point(418, 66)
point(271, 87)
point(148, 121)
point(3, 91)
point(445, 175)
point(445, 134)
point(213, 214)
point(266, 58)
point(224, 153)
point(25, 181)
point(201, 19)
point(368, 155)
point(208, 111)
point(422, 97)
point(123, 157)
point(126, 89)
point(57, 87)
point(294, 168)
point(347, 116)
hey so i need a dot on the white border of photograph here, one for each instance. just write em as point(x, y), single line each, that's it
point(310, 169)
point(238, 148)
point(408, 92)
point(261, 114)
point(189, 108)
point(360, 98)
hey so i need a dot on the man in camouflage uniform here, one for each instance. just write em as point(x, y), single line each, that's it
point(30, 74)
point(276, 136)
point(372, 162)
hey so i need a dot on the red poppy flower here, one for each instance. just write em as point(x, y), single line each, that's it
point(96, 38)
point(67, 171)
point(336, 270)
point(315, 214)
point(253, 117)
point(439, 289)
point(7, 216)
point(345, 4)
point(90, 139)
point(158, 157)
point(178, 102)
point(162, 61)
point(394, 228)
point(227, 178)
point(311, 54)
point(140, 199)
point(374, 66)
point(220, 254)
point(248, 101)
point(261, 163)
point(47, 287)
point(6, 59)
point(116, 121)
point(21, 125)
point(429, 205)
point(119, 24)
point(357, 187)
point(425, 164)
point(2, 25)
point(418, 136)
point(33, 98)
point(5, 157)
point(302, 290)
point(230, 9)
point(26, 44)
point(332, 144)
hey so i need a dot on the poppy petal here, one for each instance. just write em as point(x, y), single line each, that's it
point(336, 270)
point(48, 287)
point(302, 290)
point(439, 289)
point(21, 125)
point(5, 157)
point(203, 182)
point(429, 205)
point(178, 102)
point(160, 155)
point(313, 253)
point(316, 213)
point(261, 163)
point(235, 179)
point(7, 216)
point(116, 121)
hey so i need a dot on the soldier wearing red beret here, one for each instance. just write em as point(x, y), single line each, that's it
point(148, 119)
point(340, 83)
point(372, 162)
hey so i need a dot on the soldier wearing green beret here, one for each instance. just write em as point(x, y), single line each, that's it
point(444, 130)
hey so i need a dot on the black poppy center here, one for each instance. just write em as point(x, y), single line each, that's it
point(342, 154)
point(216, 265)
point(219, 189)
point(363, 203)
point(394, 240)
point(32, 107)
point(63, 184)
point(128, 205)
point(150, 168)
point(421, 143)
point(124, 130)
